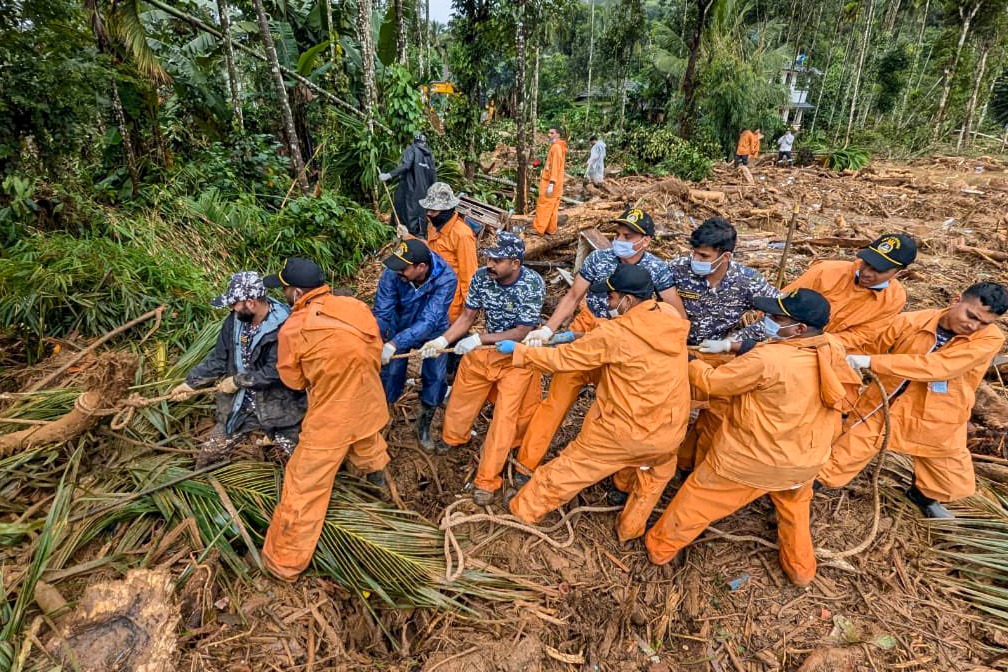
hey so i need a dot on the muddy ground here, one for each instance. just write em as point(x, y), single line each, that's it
point(594, 604)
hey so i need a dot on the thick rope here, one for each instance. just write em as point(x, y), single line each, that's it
point(455, 558)
point(122, 413)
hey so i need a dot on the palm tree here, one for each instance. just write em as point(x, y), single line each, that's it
point(225, 27)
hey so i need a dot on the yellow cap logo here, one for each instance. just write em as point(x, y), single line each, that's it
point(634, 215)
point(887, 245)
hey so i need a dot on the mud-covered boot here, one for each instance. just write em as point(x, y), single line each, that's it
point(423, 434)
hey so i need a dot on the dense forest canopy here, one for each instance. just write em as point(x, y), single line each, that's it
point(258, 128)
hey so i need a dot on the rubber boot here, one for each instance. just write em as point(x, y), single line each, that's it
point(423, 423)
point(931, 508)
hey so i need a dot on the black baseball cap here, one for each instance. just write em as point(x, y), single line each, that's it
point(627, 279)
point(804, 305)
point(297, 272)
point(406, 254)
point(637, 220)
point(893, 250)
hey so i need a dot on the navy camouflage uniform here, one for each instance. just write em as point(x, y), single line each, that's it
point(600, 264)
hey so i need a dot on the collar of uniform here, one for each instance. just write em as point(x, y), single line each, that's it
point(310, 296)
point(875, 293)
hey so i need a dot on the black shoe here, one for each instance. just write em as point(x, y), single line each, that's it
point(817, 486)
point(423, 423)
point(377, 479)
point(519, 479)
point(616, 497)
point(931, 508)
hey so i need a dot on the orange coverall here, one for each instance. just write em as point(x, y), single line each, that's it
point(926, 423)
point(331, 347)
point(785, 401)
point(547, 207)
point(748, 144)
point(550, 413)
point(638, 419)
point(456, 243)
point(857, 315)
point(483, 374)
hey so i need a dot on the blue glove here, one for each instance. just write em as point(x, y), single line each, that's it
point(506, 347)
point(562, 337)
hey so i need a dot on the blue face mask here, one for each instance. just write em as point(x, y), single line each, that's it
point(703, 268)
point(623, 249)
point(772, 329)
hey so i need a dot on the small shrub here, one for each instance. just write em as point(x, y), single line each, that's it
point(661, 151)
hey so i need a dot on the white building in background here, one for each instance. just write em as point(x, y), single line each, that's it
point(797, 79)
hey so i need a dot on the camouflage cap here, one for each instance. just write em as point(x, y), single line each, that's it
point(439, 197)
point(509, 246)
point(243, 286)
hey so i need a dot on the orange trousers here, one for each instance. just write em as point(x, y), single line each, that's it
point(549, 415)
point(547, 209)
point(589, 458)
point(700, 437)
point(944, 477)
point(706, 497)
point(297, 521)
point(516, 393)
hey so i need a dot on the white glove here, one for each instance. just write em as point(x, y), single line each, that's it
point(228, 385)
point(538, 337)
point(858, 362)
point(716, 346)
point(549, 189)
point(384, 177)
point(386, 352)
point(401, 231)
point(468, 344)
point(433, 348)
point(181, 391)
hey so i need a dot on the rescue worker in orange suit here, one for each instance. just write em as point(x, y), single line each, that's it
point(786, 397)
point(331, 347)
point(931, 362)
point(510, 295)
point(641, 407)
point(634, 231)
point(551, 185)
point(864, 295)
point(449, 236)
point(748, 146)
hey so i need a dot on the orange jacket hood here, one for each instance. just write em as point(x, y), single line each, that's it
point(836, 378)
point(324, 310)
point(648, 320)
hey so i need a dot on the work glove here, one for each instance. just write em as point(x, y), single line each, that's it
point(549, 189)
point(468, 344)
point(401, 231)
point(228, 385)
point(384, 177)
point(180, 392)
point(858, 362)
point(386, 352)
point(433, 348)
point(715, 346)
point(538, 337)
point(562, 337)
point(506, 347)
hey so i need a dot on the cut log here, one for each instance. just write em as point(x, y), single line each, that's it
point(746, 174)
point(989, 255)
point(832, 241)
point(990, 409)
point(704, 196)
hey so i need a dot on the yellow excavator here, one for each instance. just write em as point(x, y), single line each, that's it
point(435, 97)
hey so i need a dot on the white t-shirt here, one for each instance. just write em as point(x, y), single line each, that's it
point(785, 142)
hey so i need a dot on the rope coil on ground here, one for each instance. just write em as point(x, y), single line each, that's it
point(455, 557)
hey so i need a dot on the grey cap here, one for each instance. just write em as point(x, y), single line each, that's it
point(243, 286)
point(439, 197)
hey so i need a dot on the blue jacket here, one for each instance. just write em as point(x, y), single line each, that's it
point(412, 316)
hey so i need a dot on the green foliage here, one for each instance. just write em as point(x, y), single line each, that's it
point(891, 79)
point(849, 158)
point(659, 150)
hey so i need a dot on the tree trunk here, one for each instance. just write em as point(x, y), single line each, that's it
point(822, 80)
point(844, 82)
point(591, 54)
point(400, 18)
point(534, 98)
point(971, 107)
point(916, 62)
point(521, 59)
point(966, 14)
point(297, 162)
point(421, 41)
point(367, 51)
point(860, 69)
point(229, 57)
point(124, 133)
point(687, 118)
point(331, 29)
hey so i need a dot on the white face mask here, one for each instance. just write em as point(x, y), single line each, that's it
point(881, 285)
point(772, 329)
point(704, 268)
point(623, 249)
point(614, 312)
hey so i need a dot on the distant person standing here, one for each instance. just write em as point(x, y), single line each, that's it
point(551, 184)
point(784, 145)
point(748, 146)
point(418, 173)
point(595, 171)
